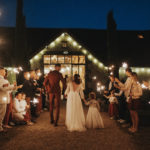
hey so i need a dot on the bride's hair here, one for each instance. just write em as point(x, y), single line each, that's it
point(77, 79)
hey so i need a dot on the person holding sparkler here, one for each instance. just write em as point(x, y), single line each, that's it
point(20, 109)
point(5, 89)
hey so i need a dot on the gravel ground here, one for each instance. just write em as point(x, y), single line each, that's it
point(43, 136)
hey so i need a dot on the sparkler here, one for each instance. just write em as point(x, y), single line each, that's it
point(102, 87)
point(4, 99)
point(39, 74)
point(28, 75)
point(20, 68)
point(35, 101)
point(16, 70)
point(124, 65)
point(94, 78)
point(143, 86)
point(111, 73)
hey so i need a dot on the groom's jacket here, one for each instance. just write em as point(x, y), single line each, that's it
point(52, 80)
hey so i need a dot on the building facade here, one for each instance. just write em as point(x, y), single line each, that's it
point(74, 59)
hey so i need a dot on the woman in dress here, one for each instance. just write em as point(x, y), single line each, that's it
point(75, 119)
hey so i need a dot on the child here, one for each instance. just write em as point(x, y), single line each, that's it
point(93, 119)
point(113, 108)
point(20, 109)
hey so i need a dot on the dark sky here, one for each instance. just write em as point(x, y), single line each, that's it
point(129, 14)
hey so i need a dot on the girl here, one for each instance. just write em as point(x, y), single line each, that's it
point(113, 108)
point(93, 119)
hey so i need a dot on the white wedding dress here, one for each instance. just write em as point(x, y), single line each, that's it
point(75, 119)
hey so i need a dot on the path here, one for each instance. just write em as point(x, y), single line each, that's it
point(43, 136)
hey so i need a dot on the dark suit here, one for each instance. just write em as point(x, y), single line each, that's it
point(52, 86)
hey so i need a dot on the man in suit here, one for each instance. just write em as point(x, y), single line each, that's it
point(52, 86)
point(5, 89)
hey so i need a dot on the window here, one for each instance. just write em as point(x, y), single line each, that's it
point(68, 59)
point(70, 65)
point(81, 59)
point(46, 69)
point(46, 59)
point(75, 59)
point(53, 59)
point(75, 69)
point(61, 59)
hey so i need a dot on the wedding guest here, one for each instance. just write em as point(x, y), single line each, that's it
point(8, 114)
point(27, 87)
point(94, 118)
point(126, 88)
point(29, 90)
point(112, 84)
point(38, 94)
point(40, 81)
point(113, 105)
point(35, 93)
point(20, 109)
point(5, 89)
point(134, 102)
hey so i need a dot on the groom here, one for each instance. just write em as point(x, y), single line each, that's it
point(52, 86)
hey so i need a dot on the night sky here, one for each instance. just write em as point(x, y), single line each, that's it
point(92, 14)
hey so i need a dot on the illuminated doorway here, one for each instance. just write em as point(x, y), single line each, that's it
point(71, 64)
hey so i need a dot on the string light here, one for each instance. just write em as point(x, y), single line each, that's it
point(36, 57)
point(80, 46)
point(63, 34)
point(84, 51)
point(95, 61)
point(58, 39)
point(74, 43)
point(52, 44)
point(100, 65)
point(90, 56)
point(69, 39)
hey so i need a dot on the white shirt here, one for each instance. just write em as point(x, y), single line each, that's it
point(19, 106)
point(126, 87)
point(136, 90)
point(113, 100)
point(5, 91)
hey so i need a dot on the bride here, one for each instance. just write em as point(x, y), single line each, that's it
point(75, 119)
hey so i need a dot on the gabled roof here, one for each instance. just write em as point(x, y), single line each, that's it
point(74, 43)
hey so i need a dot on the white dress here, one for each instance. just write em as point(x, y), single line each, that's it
point(75, 119)
point(94, 119)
